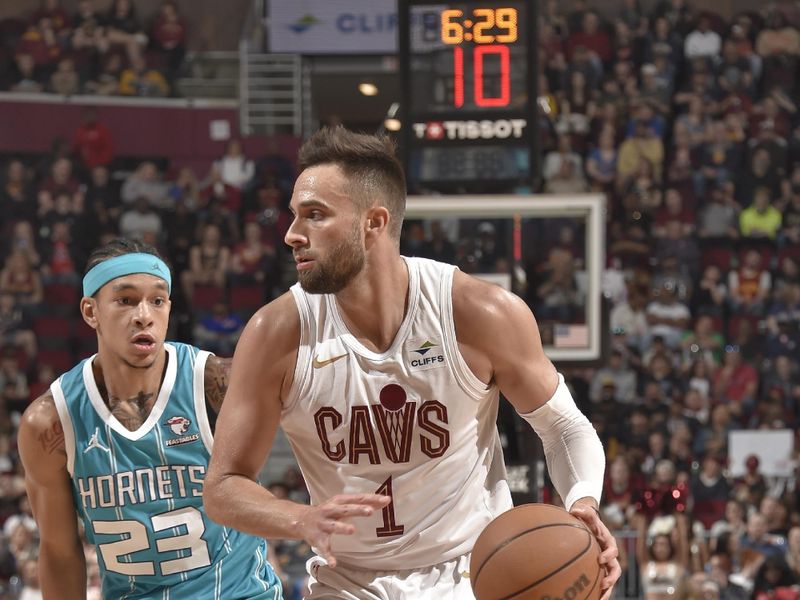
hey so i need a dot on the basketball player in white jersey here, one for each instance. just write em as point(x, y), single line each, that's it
point(385, 373)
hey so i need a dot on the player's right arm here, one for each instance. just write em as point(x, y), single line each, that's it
point(62, 565)
point(261, 376)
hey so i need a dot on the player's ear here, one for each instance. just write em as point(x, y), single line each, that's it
point(377, 222)
point(89, 311)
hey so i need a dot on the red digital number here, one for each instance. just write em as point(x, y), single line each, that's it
point(478, 53)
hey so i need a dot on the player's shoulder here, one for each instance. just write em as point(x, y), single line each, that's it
point(41, 414)
point(41, 436)
point(273, 330)
point(478, 300)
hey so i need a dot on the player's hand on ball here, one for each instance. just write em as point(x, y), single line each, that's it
point(332, 517)
point(587, 513)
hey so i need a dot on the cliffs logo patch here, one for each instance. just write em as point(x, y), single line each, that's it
point(304, 23)
point(426, 356)
point(179, 426)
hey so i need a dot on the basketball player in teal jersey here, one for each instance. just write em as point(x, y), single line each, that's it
point(123, 439)
point(385, 373)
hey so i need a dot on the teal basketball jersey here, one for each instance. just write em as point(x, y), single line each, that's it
point(140, 493)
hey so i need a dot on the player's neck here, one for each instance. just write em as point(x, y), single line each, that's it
point(374, 305)
point(128, 391)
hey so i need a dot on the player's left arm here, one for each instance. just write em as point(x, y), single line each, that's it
point(216, 378)
point(499, 337)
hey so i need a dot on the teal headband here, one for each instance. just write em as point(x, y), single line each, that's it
point(126, 264)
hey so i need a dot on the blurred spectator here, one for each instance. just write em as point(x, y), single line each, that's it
point(89, 34)
point(92, 142)
point(720, 570)
point(139, 80)
point(710, 491)
point(558, 293)
point(667, 317)
point(13, 382)
point(15, 325)
point(29, 570)
point(209, 262)
point(65, 80)
point(141, 222)
point(123, 28)
point(219, 331)
point(107, 81)
point(40, 43)
point(749, 285)
point(235, 169)
point(437, 246)
point(102, 200)
point(662, 573)
point(773, 576)
point(26, 79)
point(793, 550)
point(20, 280)
point(62, 257)
point(720, 218)
point(703, 342)
point(644, 145)
point(250, 258)
point(618, 375)
point(761, 172)
point(703, 42)
point(216, 191)
point(732, 520)
point(761, 219)
point(60, 181)
point(736, 383)
point(168, 37)
point(15, 194)
point(22, 239)
point(185, 187)
point(563, 169)
point(601, 166)
point(145, 182)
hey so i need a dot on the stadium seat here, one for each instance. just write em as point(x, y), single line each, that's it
point(61, 297)
point(719, 256)
point(246, 297)
point(52, 331)
point(59, 359)
point(206, 296)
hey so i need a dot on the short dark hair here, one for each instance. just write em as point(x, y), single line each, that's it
point(370, 164)
point(119, 247)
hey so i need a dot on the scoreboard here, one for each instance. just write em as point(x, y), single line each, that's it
point(468, 94)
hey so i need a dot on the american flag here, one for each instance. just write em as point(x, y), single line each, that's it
point(571, 336)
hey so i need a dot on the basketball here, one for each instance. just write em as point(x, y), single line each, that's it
point(536, 551)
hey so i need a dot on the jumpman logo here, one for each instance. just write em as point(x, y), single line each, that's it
point(95, 443)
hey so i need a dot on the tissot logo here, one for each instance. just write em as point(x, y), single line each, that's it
point(499, 129)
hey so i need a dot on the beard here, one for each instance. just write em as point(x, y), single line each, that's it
point(333, 273)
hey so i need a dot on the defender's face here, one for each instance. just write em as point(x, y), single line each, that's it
point(131, 316)
point(326, 236)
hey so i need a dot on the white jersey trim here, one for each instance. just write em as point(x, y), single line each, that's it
point(200, 408)
point(66, 423)
point(158, 408)
point(302, 365)
point(468, 381)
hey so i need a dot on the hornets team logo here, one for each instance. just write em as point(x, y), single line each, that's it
point(179, 426)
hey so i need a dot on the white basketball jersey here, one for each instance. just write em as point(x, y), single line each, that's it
point(412, 422)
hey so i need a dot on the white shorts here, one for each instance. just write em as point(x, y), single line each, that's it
point(445, 581)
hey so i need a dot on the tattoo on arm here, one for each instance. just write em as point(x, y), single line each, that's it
point(217, 376)
point(52, 440)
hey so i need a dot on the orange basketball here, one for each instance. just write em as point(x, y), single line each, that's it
point(536, 551)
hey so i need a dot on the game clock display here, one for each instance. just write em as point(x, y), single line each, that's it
point(468, 94)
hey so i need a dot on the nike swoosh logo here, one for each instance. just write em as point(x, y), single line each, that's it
point(318, 364)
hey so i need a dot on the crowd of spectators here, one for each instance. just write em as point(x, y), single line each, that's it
point(686, 121)
point(102, 49)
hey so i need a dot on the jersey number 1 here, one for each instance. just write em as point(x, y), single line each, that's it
point(136, 540)
point(390, 528)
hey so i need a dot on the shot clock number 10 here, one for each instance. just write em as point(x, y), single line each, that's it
point(490, 29)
